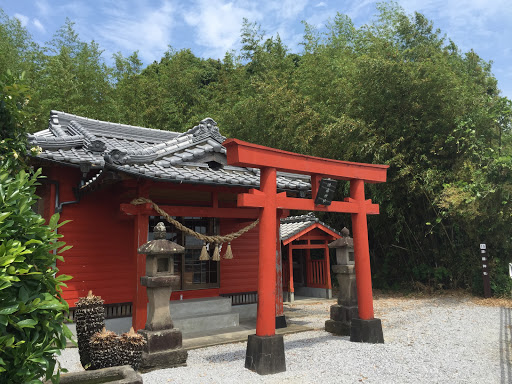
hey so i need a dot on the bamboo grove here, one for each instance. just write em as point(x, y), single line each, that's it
point(396, 91)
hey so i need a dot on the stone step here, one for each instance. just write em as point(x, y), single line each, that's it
point(205, 314)
point(206, 322)
point(199, 307)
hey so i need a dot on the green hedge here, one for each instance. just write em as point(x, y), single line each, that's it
point(32, 311)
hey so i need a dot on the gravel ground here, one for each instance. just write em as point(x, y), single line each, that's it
point(444, 339)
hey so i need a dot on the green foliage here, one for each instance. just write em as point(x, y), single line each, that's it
point(31, 307)
point(32, 310)
point(501, 283)
point(396, 91)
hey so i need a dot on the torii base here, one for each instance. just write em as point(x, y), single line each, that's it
point(366, 331)
point(265, 354)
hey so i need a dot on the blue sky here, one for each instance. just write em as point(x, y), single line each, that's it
point(212, 27)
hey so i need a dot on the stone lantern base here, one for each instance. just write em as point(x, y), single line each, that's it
point(346, 309)
point(164, 349)
point(341, 319)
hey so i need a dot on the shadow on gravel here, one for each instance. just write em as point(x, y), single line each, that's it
point(505, 345)
point(228, 357)
point(239, 354)
point(298, 322)
point(305, 343)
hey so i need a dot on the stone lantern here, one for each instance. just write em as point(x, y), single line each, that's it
point(164, 348)
point(346, 309)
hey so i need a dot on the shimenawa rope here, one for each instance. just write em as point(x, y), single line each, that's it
point(205, 238)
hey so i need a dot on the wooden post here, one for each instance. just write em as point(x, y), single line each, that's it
point(280, 318)
point(290, 266)
point(309, 270)
point(139, 310)
point(265, 322)
point(140, 300)
point(327, 267)
point(361, 252)
point(315, 183)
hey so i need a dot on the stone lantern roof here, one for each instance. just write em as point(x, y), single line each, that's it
point(345, 241)
point(160, 245)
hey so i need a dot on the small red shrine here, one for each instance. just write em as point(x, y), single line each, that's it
point(306, 261)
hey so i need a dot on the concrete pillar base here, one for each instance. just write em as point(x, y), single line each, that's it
point(281, 322)
point(366, 331)
point(291, 296)
point(265, 354)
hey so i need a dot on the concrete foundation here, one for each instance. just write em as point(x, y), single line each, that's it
point(193, 315)
point(245, 311)
point(205, 314)
point(321, 293)
point(265, 354)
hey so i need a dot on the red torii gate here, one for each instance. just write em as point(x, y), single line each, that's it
point(265, 350)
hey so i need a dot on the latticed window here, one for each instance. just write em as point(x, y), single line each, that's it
point(194, 273)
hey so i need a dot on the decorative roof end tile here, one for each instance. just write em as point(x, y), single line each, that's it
point(207, 128)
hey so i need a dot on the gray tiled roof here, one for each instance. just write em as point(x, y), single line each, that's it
point(196, 156)
point(292, 225)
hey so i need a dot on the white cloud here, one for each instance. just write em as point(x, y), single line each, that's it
point(38, 25)
point(43, 7)
point(321, 4)
point(22, 18)
point(476, 17)
point(137, 27)
point(288, 9)
point(217, 24)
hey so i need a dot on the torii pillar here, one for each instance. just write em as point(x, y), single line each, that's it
point(265, 349)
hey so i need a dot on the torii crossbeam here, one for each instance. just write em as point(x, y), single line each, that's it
point(265, 350)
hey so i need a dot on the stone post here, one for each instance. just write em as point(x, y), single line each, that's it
point(346, 309)
point(164, 348)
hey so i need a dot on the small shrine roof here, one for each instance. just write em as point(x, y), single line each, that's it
point(293, 225)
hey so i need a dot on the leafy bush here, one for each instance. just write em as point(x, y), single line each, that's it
point(31, 307)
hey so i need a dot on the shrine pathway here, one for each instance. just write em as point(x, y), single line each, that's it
point(435, 339)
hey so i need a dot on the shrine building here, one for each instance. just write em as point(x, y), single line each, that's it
point(94, 169)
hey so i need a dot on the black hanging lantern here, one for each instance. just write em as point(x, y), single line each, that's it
point(325, 192)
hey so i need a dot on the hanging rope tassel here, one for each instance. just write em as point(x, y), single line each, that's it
point(204, 254)
point(229, 254)
point(216, 253)
point(207, 239)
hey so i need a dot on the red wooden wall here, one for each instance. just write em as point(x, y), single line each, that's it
point(240, 274)
point(101, 259)
point(102, 240)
